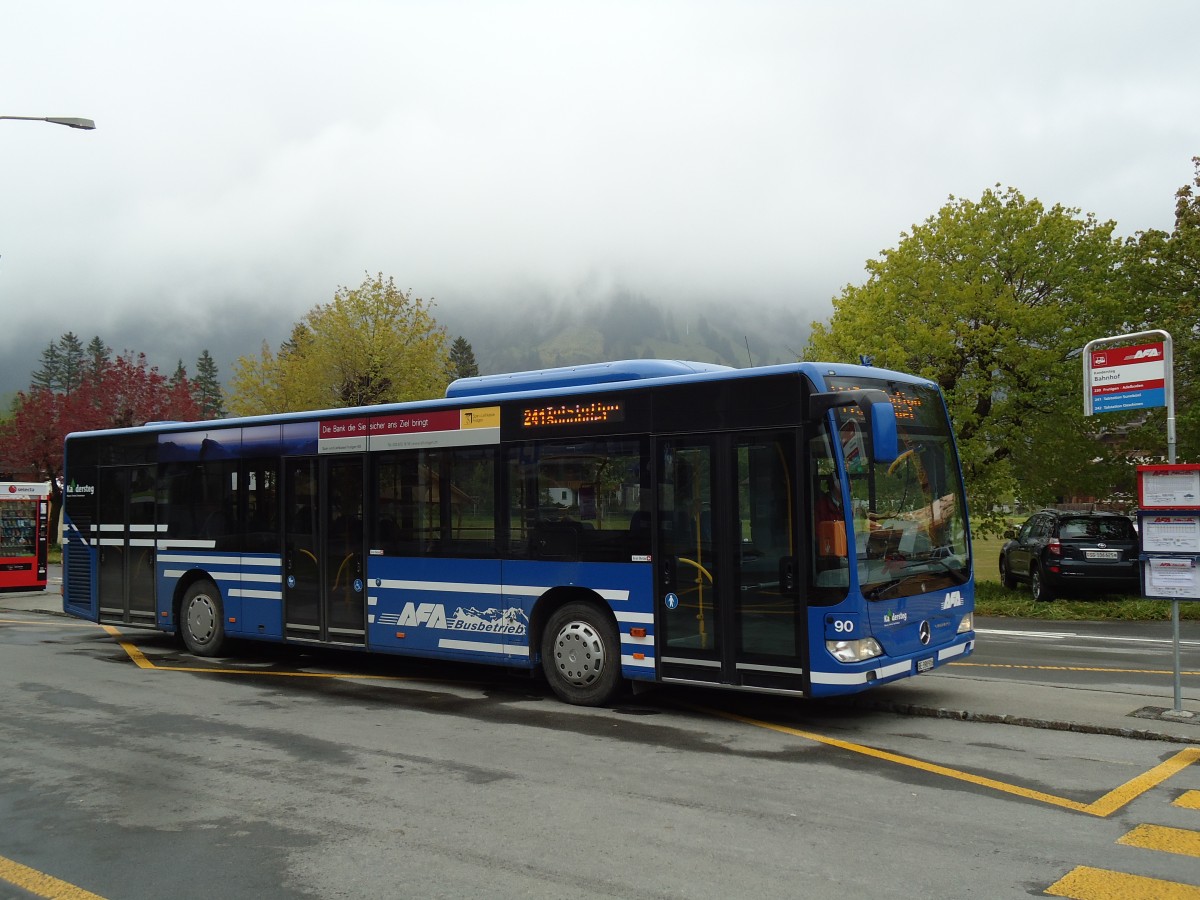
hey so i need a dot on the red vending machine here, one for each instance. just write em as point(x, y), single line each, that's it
point(24, 511)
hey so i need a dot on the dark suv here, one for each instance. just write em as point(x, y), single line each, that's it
point(1057, 549)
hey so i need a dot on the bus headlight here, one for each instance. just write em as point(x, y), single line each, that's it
point(854, 651)
point(967, 623)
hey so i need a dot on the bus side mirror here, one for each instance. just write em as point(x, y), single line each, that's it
point(885, 443)
point(879, 413)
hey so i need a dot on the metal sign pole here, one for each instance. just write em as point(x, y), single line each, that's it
point(1177, 709)
point(1169, 401)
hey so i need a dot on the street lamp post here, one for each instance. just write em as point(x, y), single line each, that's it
point(85, 124)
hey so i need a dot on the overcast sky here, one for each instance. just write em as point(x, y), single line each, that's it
point(251, 157)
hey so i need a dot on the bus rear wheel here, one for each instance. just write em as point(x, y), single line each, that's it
point(201, 619)
point(581, 655)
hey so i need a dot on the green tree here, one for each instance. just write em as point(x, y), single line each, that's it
point(370, 344)
point(462, 359)
point(48, 376)
point(63, 365)
point(99, 356)
point(206, 387)
point(1164, 272)
point(179, 376)
point(993, 300)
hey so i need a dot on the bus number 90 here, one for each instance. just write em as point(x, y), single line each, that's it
point(841, 626)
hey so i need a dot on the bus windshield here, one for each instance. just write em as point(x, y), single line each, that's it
point(908, 516)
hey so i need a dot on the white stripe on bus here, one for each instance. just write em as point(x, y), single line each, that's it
point(479, 647)
point(641, 618)
point(861, 677)
point(784, 670)
point(200, 560)
point(951, 652)
point(516, 590)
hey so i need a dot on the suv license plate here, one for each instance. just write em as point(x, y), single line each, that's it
point(1102, 554)
point(924, 665)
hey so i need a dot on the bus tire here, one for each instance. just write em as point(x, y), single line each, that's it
point(202, 619)
point(581, 655)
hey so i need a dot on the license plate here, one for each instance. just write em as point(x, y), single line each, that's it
point(924, 665)
point(1102, 554)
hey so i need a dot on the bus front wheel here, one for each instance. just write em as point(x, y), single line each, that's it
point(581, 655)
point(201, 619)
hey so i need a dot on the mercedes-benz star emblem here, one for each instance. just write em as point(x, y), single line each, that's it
point(924, 633)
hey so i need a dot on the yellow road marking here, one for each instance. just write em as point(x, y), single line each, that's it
point(142, 662)
point(40, 884)
point(1188, 800)
point(1034, 668)
point(1161, 837)
point(1104, 806)
point(1086, 883)
point(1135, 787)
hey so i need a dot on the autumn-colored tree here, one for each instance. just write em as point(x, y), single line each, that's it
point(370, 344)
point(993, 299)
point(127, 391)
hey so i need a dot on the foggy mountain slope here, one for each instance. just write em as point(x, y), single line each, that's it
point(511, 337)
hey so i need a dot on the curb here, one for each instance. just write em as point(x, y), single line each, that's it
point(914, 709)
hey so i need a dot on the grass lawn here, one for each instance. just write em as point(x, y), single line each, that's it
point(987, 558)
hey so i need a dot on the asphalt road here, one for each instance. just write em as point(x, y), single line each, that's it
point(130, 770)
point(1088, 653)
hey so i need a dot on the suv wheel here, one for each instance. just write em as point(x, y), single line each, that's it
point(1041, 591)
point(1006, 576)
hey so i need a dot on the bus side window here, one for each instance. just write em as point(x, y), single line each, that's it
point(470, 512)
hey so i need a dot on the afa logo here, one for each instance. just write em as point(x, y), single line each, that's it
point(1148, 353)
point(431, 614)
point(953, 599)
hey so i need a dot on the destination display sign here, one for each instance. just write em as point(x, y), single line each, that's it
point(584, 413)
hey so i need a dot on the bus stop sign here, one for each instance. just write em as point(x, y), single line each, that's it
point(1127, 378)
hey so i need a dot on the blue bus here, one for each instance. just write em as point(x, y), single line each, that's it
point(797, 529)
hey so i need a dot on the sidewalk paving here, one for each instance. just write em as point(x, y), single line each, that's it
point(950, 694)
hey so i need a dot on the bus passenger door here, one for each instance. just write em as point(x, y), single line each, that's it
point(344, 590)
point(728, 597)
point(126, 544)
point(324, 594)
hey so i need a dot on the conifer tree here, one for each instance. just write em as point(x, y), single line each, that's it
point(462, 359)
point(206, 387)
point(49, 375)
point(99, 355)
